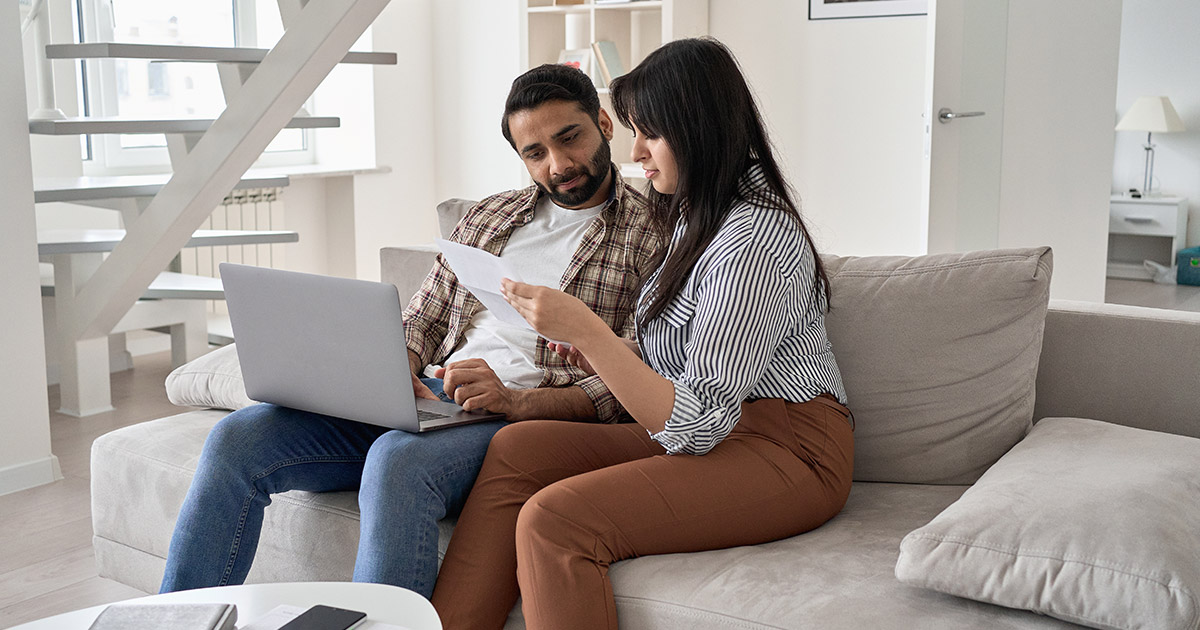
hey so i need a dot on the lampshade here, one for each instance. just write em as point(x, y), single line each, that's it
point(1151, 113)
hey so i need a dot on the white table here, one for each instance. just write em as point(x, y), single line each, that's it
point(382, 603)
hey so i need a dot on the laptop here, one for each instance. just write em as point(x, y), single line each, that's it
point(332, 346)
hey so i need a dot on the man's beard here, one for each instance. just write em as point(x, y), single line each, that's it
point(593, 174)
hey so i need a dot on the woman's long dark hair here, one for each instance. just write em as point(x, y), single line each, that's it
point(692, 94)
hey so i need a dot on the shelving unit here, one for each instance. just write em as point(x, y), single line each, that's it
point(637, 28)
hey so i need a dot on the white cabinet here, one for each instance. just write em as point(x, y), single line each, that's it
point(636, 28)
point(1149, 228)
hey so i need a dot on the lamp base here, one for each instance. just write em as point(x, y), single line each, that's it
point(1148, 183)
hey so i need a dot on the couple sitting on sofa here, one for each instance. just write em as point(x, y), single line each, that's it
point(736, 398)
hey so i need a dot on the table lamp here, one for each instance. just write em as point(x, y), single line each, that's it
point(1151, 114)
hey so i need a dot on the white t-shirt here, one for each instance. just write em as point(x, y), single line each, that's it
point(540, 252)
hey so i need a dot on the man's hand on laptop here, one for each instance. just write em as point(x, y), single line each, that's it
point(420, 390)
point(474, 385)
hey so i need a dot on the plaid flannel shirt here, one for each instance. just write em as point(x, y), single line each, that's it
point(604, 272)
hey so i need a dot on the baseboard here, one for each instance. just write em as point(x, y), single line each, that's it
point(29, 474)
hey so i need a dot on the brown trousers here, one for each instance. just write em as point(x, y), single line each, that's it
point(557, 502)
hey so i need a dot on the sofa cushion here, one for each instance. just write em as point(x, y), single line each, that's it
point(939, 356)
point(213, 380)
point(140, 476)
point(141, 473)
point(1084, 520)
point(836, 577)
point(450, 212)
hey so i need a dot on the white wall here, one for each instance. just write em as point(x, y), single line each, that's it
point(475, 59)
point(843, 99)
point(1061, 76)
point(25, 457)
point(1160, 56)
point(437, 121)
point(397, 208)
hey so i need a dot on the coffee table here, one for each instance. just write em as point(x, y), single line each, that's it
point(381, 602)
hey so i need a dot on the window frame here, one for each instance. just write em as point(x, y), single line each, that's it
point(97, 83)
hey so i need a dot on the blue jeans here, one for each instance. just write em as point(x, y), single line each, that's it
point(406, 483)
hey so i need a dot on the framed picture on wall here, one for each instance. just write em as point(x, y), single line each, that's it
point(836, 9)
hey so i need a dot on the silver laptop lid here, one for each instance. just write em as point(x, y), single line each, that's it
point(333, 346)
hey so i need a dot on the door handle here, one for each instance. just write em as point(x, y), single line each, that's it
point(945, 115)
point(1139, 220)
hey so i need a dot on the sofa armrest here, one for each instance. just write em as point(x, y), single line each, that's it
point(406, 267)
point(1122, 364)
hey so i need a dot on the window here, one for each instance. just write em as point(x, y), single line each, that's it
point(141, 88)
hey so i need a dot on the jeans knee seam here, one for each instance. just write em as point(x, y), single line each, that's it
point(331, 459)
point(237, 538)
point(452, 471)
point(235, 548)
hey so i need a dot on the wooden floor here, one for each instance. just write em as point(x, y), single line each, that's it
point(46, 561)
point(1180, 297)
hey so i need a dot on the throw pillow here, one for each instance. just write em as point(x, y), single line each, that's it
point(213, 380)
point(1086, 521)
point(939, 356)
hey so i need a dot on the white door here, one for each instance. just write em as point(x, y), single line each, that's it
point(1036, 167)
point(964, 122)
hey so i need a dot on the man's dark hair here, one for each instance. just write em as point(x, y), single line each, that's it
point(550, 82)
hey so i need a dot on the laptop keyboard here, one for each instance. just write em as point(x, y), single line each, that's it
point(428, 416)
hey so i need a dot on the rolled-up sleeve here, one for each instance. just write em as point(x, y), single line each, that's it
point(608, 410)
point(744, 306)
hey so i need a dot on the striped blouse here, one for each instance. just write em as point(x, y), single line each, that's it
point(747, 324)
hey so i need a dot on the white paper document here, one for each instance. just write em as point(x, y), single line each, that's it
point(481, 273)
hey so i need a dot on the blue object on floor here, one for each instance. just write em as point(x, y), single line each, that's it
point(1188, 262)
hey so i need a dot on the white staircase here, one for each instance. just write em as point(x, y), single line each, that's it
point(164, 52)
point(81, 126)
point(96, 295)
point(90, 189)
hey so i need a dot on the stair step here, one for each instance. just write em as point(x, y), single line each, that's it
point(162, 52)
point(167, 286)
point(48, 189)
point(220, 329)
point(80, 126)
point(81, 241)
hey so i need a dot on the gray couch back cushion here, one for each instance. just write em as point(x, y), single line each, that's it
point(939, 356)
point(1121, 364)
point(450, 212)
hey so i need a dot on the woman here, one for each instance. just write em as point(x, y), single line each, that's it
point(741, 436)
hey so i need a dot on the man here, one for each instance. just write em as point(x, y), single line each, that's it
point(579, 228)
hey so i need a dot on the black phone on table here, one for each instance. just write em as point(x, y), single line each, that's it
point(321, 617)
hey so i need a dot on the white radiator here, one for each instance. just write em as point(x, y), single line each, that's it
point(251, 209)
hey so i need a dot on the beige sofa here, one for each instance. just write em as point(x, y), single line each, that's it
point(942, 357)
